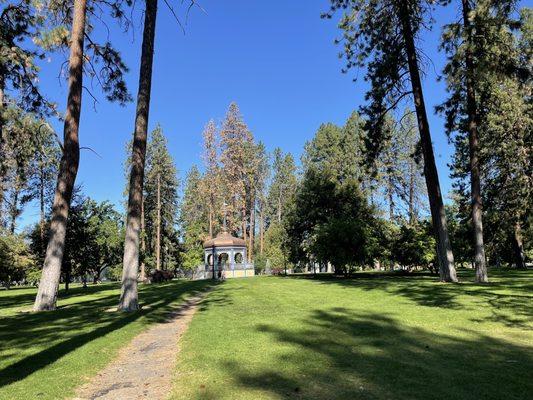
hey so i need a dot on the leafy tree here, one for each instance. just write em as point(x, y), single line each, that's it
point(94, 243)
point(16, 259)
point(275, 252)
point(331, 222)
point(381, 36)
point(415, 246)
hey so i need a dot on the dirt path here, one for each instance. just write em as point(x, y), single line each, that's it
point(144, 368)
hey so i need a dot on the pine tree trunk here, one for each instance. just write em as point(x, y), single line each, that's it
point(518, 246)
point(475, 184)
point(41, 205)
point(3, 166)
point(252, 232)
point(390, 194)
point(411, 193)
point(158, 226)
point(129, 293)
point(13, 209)
point(210, 220)
point(444, 250)
point(279, 207)
point(261, 230)
point(67, 278)
point(68, 168)
point(143, 243)
point(244, 236)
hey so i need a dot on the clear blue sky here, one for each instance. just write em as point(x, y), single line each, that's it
point(275, 58)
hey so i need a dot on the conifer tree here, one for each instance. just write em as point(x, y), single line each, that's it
point(282, 187)
point(19, 93)
point(129, 295)
point(47, 293)
point(235, 141)
point(381, 35)
point(160, 196)
point(194, 218)
point(488, 118)
point(398, 171)
point(105, 62)
point(211, 182)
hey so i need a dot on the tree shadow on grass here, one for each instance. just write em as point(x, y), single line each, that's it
point(509, 295)
point(339, 354)
point(13, 297)
point(60, 332)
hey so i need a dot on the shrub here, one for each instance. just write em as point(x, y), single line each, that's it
point(158, 276)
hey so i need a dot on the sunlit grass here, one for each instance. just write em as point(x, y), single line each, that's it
point(47, 355)
point(372, 337)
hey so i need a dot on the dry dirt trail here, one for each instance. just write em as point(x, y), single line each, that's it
point(144, 368)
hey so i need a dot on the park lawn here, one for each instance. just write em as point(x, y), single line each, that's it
point(47, 355)
point(375, 336)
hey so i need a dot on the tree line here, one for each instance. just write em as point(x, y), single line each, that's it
point(332, 211)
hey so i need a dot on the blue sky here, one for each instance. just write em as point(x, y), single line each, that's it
point(275, 58)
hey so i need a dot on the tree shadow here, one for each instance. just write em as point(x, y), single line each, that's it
point(10, 298)
point(509, 294)
point(57, 333)
point(340, 354)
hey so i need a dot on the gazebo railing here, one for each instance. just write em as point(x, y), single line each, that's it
point(230, 266)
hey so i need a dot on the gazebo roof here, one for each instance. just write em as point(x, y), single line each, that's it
point(224, 239)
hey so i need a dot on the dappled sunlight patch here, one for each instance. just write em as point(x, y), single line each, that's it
point(357, 338)
point(77, 339)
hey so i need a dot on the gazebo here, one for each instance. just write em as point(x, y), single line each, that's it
point(225, 256)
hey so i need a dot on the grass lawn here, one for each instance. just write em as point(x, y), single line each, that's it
point(371, 337)
point(47, 355)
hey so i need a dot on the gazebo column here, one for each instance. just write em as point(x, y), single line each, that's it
point(244, 260)
point(232, 262)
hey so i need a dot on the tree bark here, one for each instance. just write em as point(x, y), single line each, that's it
point(41, 204)
point(210, 220)
point(244, 236)
point(13, 209)
point(261, 229)
point(129, 293)
point(158, 226)
point(438, 216)
point(143, 243)
point(411, 193)
point(3, 166)
point(518, 246)
point(67, 278)
point(473, 139)
point(390, 193)
point(252, 231)
point(279, 206)
point(68, 168)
